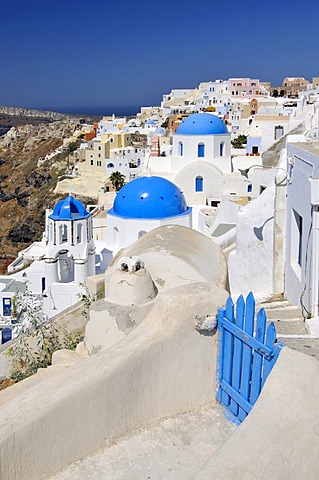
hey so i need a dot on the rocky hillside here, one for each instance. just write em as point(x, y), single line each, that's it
point(16, 116)
point(25, 112)
point(27, 180)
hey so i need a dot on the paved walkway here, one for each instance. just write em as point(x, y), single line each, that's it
point(174, 449)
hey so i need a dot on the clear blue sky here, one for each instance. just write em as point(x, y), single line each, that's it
point(93, 53)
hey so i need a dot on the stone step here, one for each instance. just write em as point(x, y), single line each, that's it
point(284, 313)
point(275, 304)
point(289, 328)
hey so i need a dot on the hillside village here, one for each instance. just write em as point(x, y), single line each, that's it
point(125, 237)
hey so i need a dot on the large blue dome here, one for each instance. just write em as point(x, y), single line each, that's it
point(149, 198)
point(69, 209)
point(202, 124)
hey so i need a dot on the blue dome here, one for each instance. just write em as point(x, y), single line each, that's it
point(69, 209)
point(159, 130)
point(202, 124)
point(149, 198)
point(149, 122)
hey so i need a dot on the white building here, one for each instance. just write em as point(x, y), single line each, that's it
point(302, 227)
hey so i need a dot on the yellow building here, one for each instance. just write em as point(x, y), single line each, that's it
point(100, 150)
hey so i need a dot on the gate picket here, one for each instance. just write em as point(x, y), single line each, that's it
point(228, 351)
point(257, 361)
point(270, 342)
point(238, 353)
point(247, 354)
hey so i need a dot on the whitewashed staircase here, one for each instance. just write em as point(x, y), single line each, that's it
point(287, 318)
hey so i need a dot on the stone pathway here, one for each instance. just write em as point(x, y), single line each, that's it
point(174, 449)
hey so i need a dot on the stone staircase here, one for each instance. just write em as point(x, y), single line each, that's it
point(286, 317)
point(290, 326)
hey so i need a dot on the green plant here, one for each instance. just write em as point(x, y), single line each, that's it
point(117, 179)
point(165, 123)
point(87, 298)
point(239, 141)
point(39, 340)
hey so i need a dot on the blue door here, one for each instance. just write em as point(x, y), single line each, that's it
point(6, 307)
point(6, 335)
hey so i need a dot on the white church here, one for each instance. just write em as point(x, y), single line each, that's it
point(200, 163)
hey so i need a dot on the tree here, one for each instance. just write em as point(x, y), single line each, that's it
point(239, 141)
point(165, 123)
point(117, 179)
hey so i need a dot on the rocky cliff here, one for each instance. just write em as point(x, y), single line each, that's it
point(27, 180)
point(25, 112)
point(16, 116)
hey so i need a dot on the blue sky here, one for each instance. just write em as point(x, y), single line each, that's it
point(129, 53)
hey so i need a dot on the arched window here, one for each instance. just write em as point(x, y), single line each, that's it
point(199, 184)
point(63, 231)
point(222, 149)
point(180, 149)
point(201, 150)
point(110, 165)
point(79, 229)
point(115, 236)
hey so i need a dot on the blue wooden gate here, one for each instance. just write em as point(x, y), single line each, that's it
point(247, 353)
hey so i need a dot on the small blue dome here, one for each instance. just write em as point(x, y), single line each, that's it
point(149, 198)
point(202, 124)
point(149, 122)
point(69, 209)
point(159, 131)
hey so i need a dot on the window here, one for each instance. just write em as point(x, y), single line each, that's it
point(279, 132)
point(79, 228)
point(249, 188)
point(63, 233)
point(199, 184)
point(296, 238)
point(222, 149)
point(110, 165)
point(91, 162)
point(180, 149)
point(201, 150)
point(115, 236)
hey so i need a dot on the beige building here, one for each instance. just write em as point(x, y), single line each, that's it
point(290, 87)
point(99, 151)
